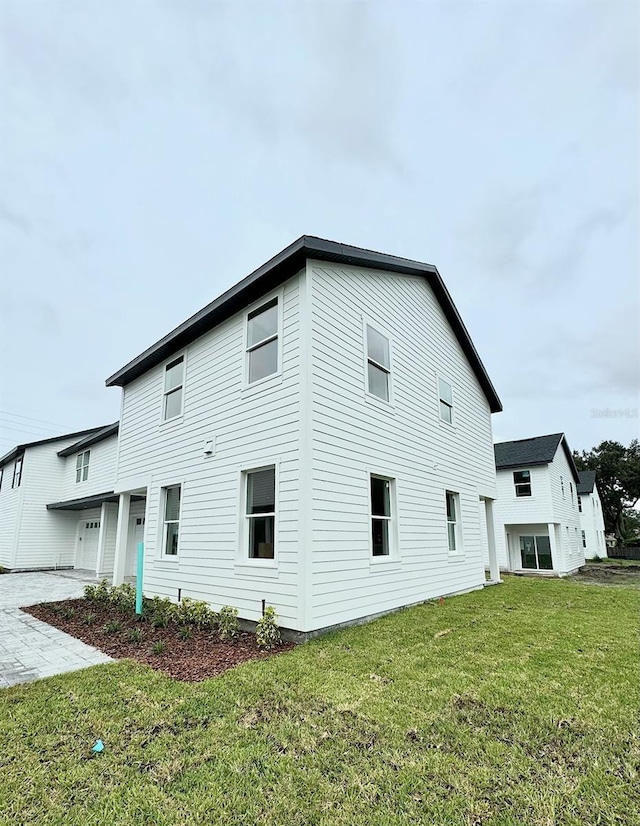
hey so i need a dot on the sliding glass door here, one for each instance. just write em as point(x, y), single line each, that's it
point(535, 553)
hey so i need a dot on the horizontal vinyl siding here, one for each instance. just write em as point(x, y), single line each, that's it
point(10, 507)
point(251, 427)
point(592, 523)
point(111, 525)
point(510, 509)
point(353, 435)
point(102, 471)
point(565, 512)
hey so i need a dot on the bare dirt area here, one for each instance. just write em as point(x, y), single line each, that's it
point(199, 657)
point(603, 574)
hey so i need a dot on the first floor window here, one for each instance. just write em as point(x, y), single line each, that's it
point(260, 512)
point(82, 466)
point(453, 521)
point(171, 520)
point(584, 539)
point(380, 515)
point(445, 392)
point(522, 482)
point(173, 389)
point(17, 472)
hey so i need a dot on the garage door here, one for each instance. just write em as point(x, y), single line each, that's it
point(87, 556)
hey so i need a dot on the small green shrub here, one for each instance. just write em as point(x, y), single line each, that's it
point(48, 606)
point(67, 613)
point(112, 627)
point(163, 611)
point(195, 612)
point(90, 592)
point(123, 597)
point(135, 635)
point(228, 622)
point(267, 631)
point(184, 632)
point(90, 618)
point(159, 647)
point(101, 593)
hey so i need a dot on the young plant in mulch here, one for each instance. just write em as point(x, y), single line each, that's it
point(159, 647)
point(90, 618)
point(267, 632)
point(228, 623)
point(113, 627)
point(134, 635)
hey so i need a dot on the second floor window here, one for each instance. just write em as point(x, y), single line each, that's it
point(580, 504)
point(262, 342)
point(17, 472)
point(82, 466)
point(173, 389)
point(445, 392)
point(378, 364)
point(522, 482)
point(562, 486)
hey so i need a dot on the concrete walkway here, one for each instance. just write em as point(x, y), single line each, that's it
point(30, 649)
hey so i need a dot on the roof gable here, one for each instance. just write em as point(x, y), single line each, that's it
point(19, 449)
point(539, 450)
point(587, 481)
point(277, 270)
point(93, 438)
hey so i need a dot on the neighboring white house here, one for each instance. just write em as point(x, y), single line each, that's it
point(317, 439)
point(591, 518)
point(537, 518)
point(57, 506)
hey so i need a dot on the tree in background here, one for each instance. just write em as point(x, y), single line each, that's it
point(618, 478)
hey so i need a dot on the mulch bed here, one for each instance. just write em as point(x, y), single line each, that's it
point(202, 656)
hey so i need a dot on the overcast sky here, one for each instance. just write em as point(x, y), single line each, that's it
point(154, 152)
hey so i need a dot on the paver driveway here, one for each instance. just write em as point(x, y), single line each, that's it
point(30, 649)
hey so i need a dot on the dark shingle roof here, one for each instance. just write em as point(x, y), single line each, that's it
point(91, 439)
point(539, 450)
point(587, 481)
point(276, 271)
point(18, 450)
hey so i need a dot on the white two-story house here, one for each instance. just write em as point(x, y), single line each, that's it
point(591, 519)
point(317, 439)
point(57, 504)
point(537, 518)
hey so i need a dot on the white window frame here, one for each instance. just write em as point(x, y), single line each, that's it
point(579, 503)
point(82, 466)
point(1, 476)
point(571, 491)
point(277, 296)
point(172, 361)
point(562, 486)
point(366, 322)
point(243, 560)
point(584, 538)
point(458, 534)
point(163, 522)
point(441, 401)
point(517, 484)
point(17, 471)
point(392, 519)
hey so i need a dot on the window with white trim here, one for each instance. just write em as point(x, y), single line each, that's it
point(260, 512)
point(571, 490)
point(1, 476)
point(445, 393)
point(381, 515)
point(378, 364)
point(453, 522)
point(584, 539)
point(579, 504)
point(262, 342)
point(173, 389)
point(17, 472)
point(522, 482)
point(171, 520)
point(82, 466)
point(562, 486)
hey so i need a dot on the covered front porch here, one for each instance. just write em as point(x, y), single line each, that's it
point(533, 548)
point(130, 531)
point(94, 531)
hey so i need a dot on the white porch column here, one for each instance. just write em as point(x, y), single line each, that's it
point(555, 553)
point(122, 539)
point(494, 569)
point(102, 537)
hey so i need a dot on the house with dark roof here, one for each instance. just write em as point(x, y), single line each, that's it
point(57, 503)
point(591, 517)
point(537, 518)
point(318, 439)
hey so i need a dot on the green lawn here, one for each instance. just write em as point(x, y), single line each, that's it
point(523, 712)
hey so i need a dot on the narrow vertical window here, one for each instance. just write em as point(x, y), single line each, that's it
point(562, 486)
point(173, 389)
point(1, 475)
point(571, 491)
point(453, 522)
point(378, 364)
point(262, 342)
point(171, 520)
point(580, 504)
point(445, 392)
point(380, 515)
point(522, 482)
point(82, 466)
point(260, 513)
point(17, 472)
point(584, 539)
